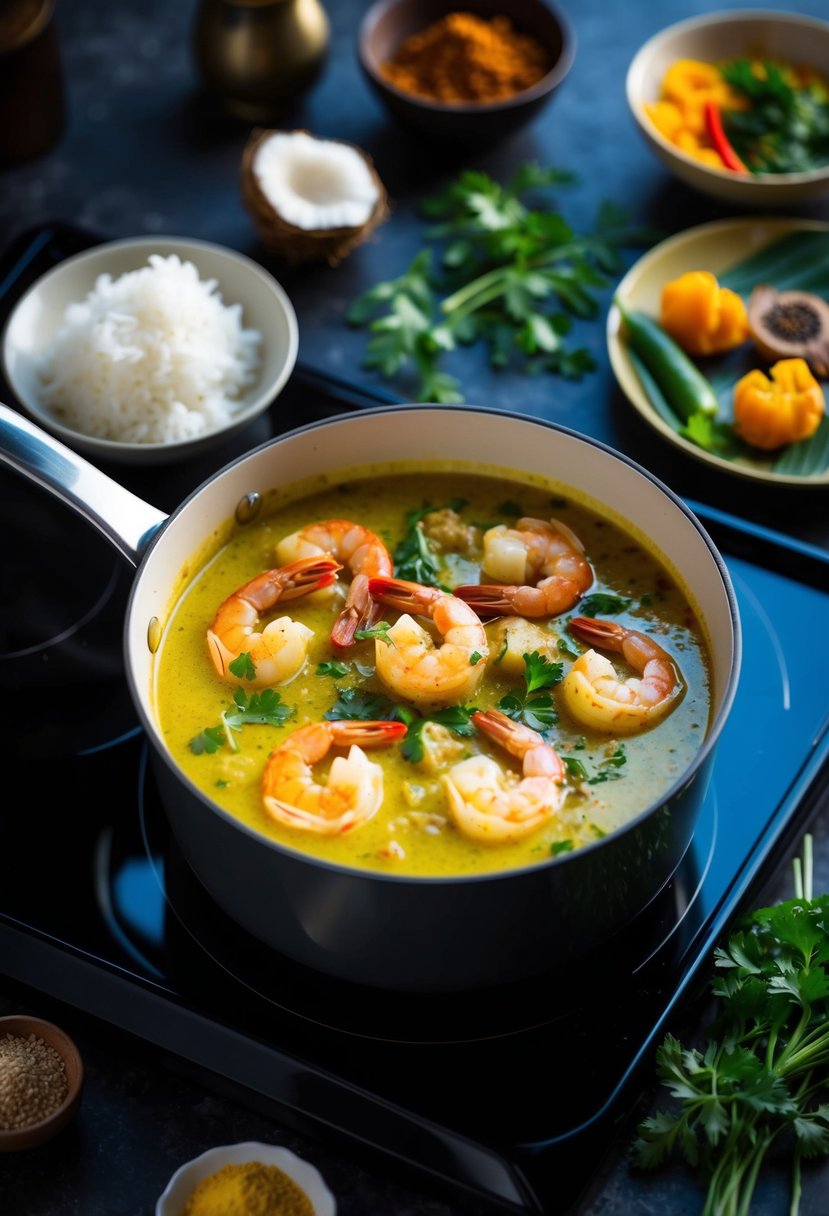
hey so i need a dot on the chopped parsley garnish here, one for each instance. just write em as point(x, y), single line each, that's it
point(457, 718)
point(609, 767)
point(333, 668)
point(242, 667)
point(567, 647)
point(359, 704)
point(600, 603)
point(607, 770)
point(264, 708)
point(534, 706)
point(379, 631)
point(561, 846)
point(413, 557)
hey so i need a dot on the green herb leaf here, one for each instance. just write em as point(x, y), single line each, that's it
point(362, 705)
point(533, 707)
point(561, 846)
point(765, 1057)
point(506, 270)
point(242, 667)
point(380, 631)
point(414, 559)
point(263, 708)
point(333, 668)
point(457, 718)
point(602, 604)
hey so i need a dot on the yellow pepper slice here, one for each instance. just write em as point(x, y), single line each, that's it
point(701, 316)
point(679, 113)
point(771, 412)
point(692, 81)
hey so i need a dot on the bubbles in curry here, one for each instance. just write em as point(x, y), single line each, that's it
point(433, 673)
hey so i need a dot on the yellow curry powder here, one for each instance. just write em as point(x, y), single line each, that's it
point(464, 58)
point(248, 1189)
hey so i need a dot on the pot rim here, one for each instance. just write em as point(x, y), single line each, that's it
point(685, 777)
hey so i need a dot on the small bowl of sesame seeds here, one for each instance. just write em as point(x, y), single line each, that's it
point(41, 1077)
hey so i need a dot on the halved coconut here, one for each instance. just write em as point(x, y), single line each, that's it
point(310, 199)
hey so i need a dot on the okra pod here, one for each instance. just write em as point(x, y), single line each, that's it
point(685, 388)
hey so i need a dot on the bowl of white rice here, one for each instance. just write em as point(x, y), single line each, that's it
point(151, 349)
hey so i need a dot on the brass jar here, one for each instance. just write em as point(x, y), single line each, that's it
point(32, 102)
point(256, 56)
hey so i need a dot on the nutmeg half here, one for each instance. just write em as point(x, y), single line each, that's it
point(790, 325)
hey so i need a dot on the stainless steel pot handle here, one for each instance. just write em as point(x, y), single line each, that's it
point(125, 520)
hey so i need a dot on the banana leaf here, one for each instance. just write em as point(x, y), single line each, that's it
point(798, 261)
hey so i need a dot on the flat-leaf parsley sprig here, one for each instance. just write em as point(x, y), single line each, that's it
point(764, 1067)
point(500, 272)
point(535, 707)
point(265, 708)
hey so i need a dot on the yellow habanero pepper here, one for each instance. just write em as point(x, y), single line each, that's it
point(769, 413)
point(702, 317)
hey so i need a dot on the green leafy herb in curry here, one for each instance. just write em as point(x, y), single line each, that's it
point(250, 709)
point(534, 706)
point(457, 718)
point(510, 276)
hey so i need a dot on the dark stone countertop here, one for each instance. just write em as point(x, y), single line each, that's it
point(145, 152)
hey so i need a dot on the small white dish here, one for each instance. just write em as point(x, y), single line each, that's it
point(39, 314)
point(175, 1195)
point(790, 37)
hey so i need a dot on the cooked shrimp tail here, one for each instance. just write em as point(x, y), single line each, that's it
point(363, 553)
point(541, 565)
point(354, 789)
point(407, 659)
point(278, 651)
point(550, 597)
point(494, 807)
point(597, 697)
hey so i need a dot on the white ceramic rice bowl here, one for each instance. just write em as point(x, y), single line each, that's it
point(39, 314)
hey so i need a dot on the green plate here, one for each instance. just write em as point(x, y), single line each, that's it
point(787, 253)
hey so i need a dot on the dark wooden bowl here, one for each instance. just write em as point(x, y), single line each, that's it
point(14, 1139)
point(388, 23)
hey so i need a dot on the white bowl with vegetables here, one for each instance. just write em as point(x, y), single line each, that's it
point(721, 121)
point(689, 397)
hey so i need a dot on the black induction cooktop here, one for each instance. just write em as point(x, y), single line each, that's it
point(510, 1094)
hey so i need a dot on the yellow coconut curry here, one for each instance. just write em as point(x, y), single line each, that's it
point(433, 673)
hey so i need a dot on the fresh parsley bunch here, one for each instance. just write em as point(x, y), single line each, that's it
point(499, 272)
point(764, 1068)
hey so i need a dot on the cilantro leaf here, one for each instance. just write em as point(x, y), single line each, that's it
point(242, 667)
point(333, 668)
point(534, 707)
point(600, 603)
point(413, 557)
point(766, 1054)
point(362, 705)
point(505, 270)
point(457, 718)
point(264, 708)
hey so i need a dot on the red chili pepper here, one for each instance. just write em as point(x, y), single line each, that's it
point(719, 139)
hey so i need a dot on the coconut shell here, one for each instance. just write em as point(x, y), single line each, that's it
point(295, 244)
